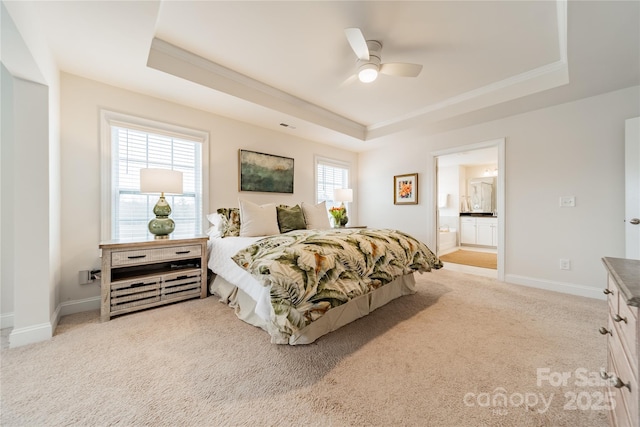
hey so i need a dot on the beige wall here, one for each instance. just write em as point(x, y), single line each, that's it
point(82, 100)
point(570, 149)
point(30, 220)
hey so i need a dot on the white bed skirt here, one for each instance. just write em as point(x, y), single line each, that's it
point(244, 307)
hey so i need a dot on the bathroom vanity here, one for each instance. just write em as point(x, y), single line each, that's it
point(478, 229)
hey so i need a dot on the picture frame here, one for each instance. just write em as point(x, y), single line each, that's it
point(265, 173)
point(405, 189)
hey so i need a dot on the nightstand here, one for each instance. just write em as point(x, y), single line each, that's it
point(137, 275)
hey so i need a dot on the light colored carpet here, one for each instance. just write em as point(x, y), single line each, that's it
point(474, 258)
point(441, 357)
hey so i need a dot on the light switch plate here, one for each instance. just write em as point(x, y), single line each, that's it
point(567, 201)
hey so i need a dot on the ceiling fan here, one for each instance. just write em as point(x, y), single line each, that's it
point(369, 54)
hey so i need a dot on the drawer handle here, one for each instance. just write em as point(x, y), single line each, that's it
point(618, 318)
point(615, 380)
point(604, 331)
point(607, 292)
point(182, 252)
point(136, 256)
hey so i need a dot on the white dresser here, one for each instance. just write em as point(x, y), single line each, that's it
point(623, 332)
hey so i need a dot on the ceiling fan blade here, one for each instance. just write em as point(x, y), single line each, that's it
point(357, 42)
point(401, 69)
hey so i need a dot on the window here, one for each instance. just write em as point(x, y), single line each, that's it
point(330, 174)
point(131, 144)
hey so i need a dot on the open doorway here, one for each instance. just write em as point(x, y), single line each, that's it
point(470, 208)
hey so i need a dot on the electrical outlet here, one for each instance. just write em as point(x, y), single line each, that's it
point(84, 276)
point(87, 277)
point(565, 264)
point(567, 201)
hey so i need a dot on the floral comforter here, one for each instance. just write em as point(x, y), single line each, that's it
point(312, 271)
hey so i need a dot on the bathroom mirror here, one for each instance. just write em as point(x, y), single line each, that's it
point(482, 195)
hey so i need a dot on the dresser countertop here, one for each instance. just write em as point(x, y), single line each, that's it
point(626, 273)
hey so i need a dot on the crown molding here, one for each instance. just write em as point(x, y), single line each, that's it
point(174, 60)
point(171, 59)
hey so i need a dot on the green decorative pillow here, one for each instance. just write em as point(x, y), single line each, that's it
point(230, 225)
point(290, 218)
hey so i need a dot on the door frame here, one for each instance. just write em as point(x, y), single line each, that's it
point(500, 193)
point(632, 187)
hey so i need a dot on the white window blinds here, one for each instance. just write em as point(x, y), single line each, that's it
point(133, 149)
point(330, 174)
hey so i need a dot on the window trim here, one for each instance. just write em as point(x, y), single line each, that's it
point(111, 118)
point(330, 162)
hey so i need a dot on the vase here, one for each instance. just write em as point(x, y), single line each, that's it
point(340, 222)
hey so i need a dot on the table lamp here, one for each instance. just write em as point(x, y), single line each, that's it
point(161, 181)
point(343, 195)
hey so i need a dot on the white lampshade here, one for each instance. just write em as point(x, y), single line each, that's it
point(160, 181)
point(343, 195)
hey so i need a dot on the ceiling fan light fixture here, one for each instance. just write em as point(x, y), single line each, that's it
point(368, 73)
point(369, 63)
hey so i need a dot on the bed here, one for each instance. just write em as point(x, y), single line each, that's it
point(304, 283)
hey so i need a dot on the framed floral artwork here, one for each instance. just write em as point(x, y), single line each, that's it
point(405, 189)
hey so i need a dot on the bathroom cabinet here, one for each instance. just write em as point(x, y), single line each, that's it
point(481, 231)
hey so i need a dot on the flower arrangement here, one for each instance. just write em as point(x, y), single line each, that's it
point(339, 215)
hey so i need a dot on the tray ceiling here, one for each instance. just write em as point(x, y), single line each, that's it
point(268, 63)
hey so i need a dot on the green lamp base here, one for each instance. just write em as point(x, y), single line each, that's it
point(161, 226)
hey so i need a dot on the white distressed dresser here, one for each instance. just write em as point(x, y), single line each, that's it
point(623, 333)
point(142, 274)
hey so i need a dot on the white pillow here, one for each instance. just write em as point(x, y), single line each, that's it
point(214, 218)
point(316, 216)
point(258, 220)
point(216, 225)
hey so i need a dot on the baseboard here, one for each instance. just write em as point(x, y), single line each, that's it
point(565, 288)
point(6, 320)
point(30, 334)
point(63, 309)
point(44, 331)
point(78, 306)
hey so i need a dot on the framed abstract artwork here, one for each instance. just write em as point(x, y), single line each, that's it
point(405, 189)
point(265, 172)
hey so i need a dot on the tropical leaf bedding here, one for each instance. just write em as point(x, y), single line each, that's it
point(311, 271)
